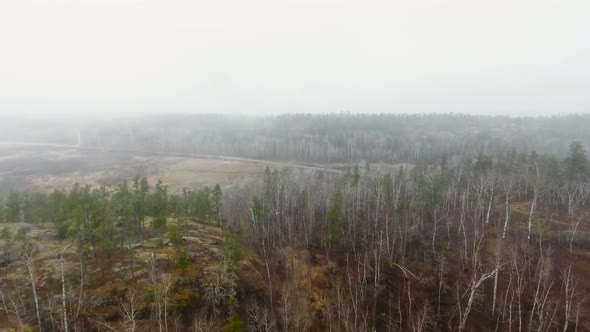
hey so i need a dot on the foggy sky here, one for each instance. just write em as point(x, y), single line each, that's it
point(277, 56)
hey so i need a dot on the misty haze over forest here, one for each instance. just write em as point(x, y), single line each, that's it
point(336, 137)
point(294, 165)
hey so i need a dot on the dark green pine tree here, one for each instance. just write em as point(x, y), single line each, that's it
point(216, 202)
point(13, 208)
point(141, 189)
point(576, 163)
point(160, 209)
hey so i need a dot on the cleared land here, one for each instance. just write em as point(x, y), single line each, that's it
point(50, 167)
point(46, 167)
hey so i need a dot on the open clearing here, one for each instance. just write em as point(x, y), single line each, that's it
point(46, 167)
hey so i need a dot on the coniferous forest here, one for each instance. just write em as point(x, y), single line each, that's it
point(354, 223)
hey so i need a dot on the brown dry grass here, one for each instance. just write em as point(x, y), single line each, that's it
point(311, 272)
point(49, 168)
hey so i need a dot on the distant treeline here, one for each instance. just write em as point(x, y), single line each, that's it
point(341, 137)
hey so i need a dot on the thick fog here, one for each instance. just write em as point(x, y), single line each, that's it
point(268, 56)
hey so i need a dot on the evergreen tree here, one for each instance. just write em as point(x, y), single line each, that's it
point(356, 175)
point(175, 237)
point(576, 163)
point(232, 252)
point(13, 207)
point(6, 237)
point(141, 190)
point(216, 202)
point(335, 215)
point(203, 204)
point(159, 226)
point(234, 324)
point(161, 199)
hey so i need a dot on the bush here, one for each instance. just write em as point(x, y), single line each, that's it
point(183, 261)
point(234, 324)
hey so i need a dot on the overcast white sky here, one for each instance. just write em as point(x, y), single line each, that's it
point(277, 56)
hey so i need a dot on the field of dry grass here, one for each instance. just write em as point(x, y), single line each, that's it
point(46, 168)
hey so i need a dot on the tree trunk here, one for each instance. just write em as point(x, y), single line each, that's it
point(531, 214)
point(63, 288)
point(29, 262)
